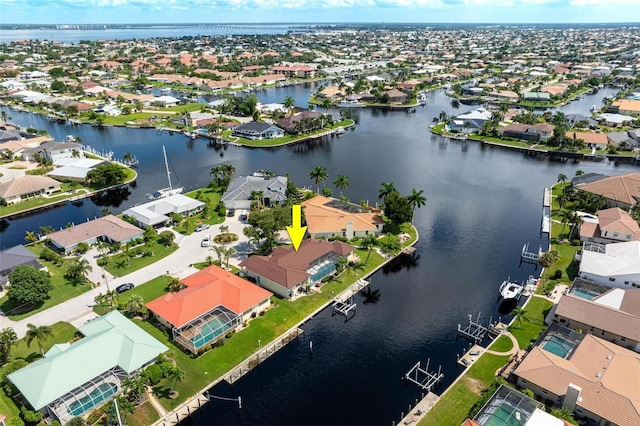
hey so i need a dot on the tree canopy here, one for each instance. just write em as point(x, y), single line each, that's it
point(29, 285)
point(397, 208)
point(107, 175)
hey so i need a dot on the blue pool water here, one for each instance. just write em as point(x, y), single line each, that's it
point(97, 396)
point(210, 331)
point(584, 294)
point(558, 346)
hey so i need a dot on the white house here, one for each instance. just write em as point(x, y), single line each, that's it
point(157, 212)
point(612, 265)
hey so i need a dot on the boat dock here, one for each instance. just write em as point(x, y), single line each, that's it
point(184, 410)
point(423, 377)
point(546, 220)
point(470, 356)
point(546, 201)
point(474, 331)
point(529, 257)
point(258, 358)
point(422, 407)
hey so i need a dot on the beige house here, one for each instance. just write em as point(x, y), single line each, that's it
point(611, 226)
point(595, 379)
point(108, 228)
point(620, 191)
point(328, 217)
point(27, 186)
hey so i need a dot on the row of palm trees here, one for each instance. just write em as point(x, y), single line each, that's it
point(319, 175)
point(9, 338)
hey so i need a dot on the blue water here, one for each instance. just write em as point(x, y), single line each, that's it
point(558, 346)
point(96, 397)
point(584, 294)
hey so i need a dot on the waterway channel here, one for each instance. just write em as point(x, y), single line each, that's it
point(483, 204)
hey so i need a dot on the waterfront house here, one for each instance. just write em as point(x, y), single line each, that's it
point(254, 130)
point(611, 225)
point(158, 212)
point(620, 191)
point(74, 169)
point(592, 140)
point(53, 150)
point(110, 229)
point(212, 303)
point(612, 265)
point(536, 96)
point(329, 217)
point(595, 379)
point(239, 193)
point(165, 101)
point(626, 106)
point(614, 120)
point(294, 123)
point(612, 314)
point(471, 121)
point(297, 70)
point(333, 93)
point(540, 132)
point(75, 378)
point(626, 140)
point(287, 272)
point(396, 96)
point(13, 257)
point(28, 186)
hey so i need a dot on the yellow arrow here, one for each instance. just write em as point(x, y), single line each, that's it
point(296, 232)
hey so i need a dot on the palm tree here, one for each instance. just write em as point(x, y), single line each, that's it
point(562, 178)
point(219, 251)
point(135, 304)
point(8, 338)
point(387, 188)
point(575, 221)
point(39, 334)
point(416, 199)
point(174, 285)
point(519, 314)
point(579, 172)
point(79, 269)
point(368, 243)
point(227, 254)
point(31, 237)
point(565, 218)
point(135, 386)
point(4, 116)
point(257, 196)
point(175, 376)
point(342, 182)
point(289, 103)
point(319, 175)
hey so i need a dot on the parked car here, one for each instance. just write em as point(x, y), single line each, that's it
point(124, 287)
point(206, 241)
point(243, 215)
point(231, 212)
point(202, 227)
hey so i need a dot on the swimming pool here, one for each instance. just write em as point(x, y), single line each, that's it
point(585, 294)
point(97, 396)
point(209, 331)
point(504, 417)
point(558, 346)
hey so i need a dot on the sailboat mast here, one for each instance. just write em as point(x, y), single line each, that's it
point(166, 164)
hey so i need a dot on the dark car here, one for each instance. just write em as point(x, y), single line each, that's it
point(124, 287)
point(231, 212)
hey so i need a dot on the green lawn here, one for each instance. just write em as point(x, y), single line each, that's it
point(289, 138)
point(502, 344)
point(144, 415)
point(565, 264)
point(149, 291)
point(206, 195)
point(531, 327)
point(119, 265)
point(454, 406)
point(63, 289)
point(62, 332)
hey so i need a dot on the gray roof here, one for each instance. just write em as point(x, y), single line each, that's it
point(16, 256)
point(253, 126)
point(240, 188)
point(587, 178)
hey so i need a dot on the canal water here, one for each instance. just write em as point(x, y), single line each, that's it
point(483, 204)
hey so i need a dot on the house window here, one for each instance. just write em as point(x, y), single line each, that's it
point(591, 329)
point(623, 339)
point(615, 235)
point(626, 282)
point(578, 410)
point(545, 392)
point(612, 279)
point(602, 332)
point(524, 382)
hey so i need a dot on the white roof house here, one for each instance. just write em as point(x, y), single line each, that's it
point(613, 265)
point(159, 211)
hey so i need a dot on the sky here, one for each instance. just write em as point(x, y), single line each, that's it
point(273, 11)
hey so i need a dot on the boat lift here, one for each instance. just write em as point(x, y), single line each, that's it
point(529, 257)
point(474, 331)
point(423, 378)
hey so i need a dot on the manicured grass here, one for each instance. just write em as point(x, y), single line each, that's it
point(120, 266)
point(454, 406)
point(63, 289)
point(531, 327)
point(289, 138)
point(149, 291)
point(565, 264)
point(502, 344)
point(144, 415)
point(62, 332)
point(212, 199)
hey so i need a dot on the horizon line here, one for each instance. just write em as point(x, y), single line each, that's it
point(321, 23)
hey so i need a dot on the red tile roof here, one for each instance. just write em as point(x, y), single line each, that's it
point(206, 289)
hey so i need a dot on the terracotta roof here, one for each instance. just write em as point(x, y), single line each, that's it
point(205, 290)
point(617, 220)
point(323, 218)
point(623, 188)
point(26, 184)
point(589, 137)
point(288, 267)
point(110, 226)
point(600, 316)
point(608, 374)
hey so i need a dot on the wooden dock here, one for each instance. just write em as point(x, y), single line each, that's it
point(546, 201)
point(421, 408)
point(184, 410)
point(258, 358)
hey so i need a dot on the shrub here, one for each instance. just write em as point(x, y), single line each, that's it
point(230, 334)
point(49, 255)
point(528, 392)
point(154, 374)
point(557, 275)
point(82, 248)
point(165, 367)
point(30, 416)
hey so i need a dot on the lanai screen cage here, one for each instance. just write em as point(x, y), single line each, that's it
point(88, 396)
point(206, 329)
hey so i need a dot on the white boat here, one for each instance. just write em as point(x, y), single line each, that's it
point(170, 190)
point(510, 290)
point(350, 103)
point(339, 131)
point(593, 108)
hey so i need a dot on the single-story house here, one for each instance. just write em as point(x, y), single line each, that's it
point(611, 226)
point(540, 132)
point(74, 169)
point(108, 228)
point(471, 121)
point(614, 120)
point(593, 378)
point(624, 140)
point(329, 217)
point(13, 257)
point(626, 106)
point(620, 191)
point(213, 302)
point(613, 315)
point(165, 101)
point(239, 192)
point(536, 96)
point(290, 123)
point(27, 186)
point(255, 130)
point(396, 96)
point(612, 265)
point(158, 212)
point(591, 139)
point(333, 93)
point(287, 272)
point(74, 378)
point(53, 151)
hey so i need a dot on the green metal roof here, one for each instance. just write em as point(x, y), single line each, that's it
point(111, 340)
